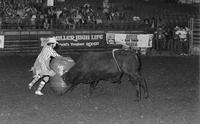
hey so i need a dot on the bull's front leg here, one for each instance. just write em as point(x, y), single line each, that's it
point(145, 88)
point(141, 86)
point(93, 85)
point(138, 91)
point(136, 81)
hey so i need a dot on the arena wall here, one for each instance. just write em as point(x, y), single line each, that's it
point(28, 42)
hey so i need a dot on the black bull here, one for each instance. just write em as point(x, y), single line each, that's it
point(93, 67)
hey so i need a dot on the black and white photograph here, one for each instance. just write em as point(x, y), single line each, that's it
point(99, 62)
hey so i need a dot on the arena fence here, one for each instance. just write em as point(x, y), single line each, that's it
point(28, 42)
point(195, 36)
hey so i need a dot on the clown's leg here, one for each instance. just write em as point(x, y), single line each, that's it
point(35, 79)
point(41, 85)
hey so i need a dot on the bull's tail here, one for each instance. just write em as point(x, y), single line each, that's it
point(113, 54)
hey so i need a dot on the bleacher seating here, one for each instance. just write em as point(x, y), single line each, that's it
point(171, 14)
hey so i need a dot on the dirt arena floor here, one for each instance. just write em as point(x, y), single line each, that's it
point(173, 85)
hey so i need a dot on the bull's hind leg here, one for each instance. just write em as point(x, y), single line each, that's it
point(143, 85)
point(135, 82)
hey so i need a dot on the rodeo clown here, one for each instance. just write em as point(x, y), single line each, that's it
point(41, 68)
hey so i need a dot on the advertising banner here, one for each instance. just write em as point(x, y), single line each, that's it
point(144, 40)
point(132, 40)
point(79, 40)
point(1, 41)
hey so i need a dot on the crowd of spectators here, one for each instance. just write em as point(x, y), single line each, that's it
point(30, 14)
point(36, 15)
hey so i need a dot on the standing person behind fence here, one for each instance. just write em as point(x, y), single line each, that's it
point(169, 38)
point(183, 41)
point(41, 69)
point(160, 38)
point(175, 39)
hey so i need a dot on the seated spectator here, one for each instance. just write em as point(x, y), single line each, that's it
point(78, 19)
point(1, 21)
point(146, 21)
point(51, 16)
point(147, 24)
point(70, 23)
point(62, 21)
point(112, 16)
point(19, 22)
point(33, 21)
point(58, 13)
point(99, 20)
point(122, 15)
point(20, 12)
point(106, 9)
point(40, 20)
point(153, 23)
point(136, 18)
point(86, 5)
point(46, 24)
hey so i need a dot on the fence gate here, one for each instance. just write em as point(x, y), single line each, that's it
point(195, 36)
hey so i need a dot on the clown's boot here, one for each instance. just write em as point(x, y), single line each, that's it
point(38, 91)
point(36, 78)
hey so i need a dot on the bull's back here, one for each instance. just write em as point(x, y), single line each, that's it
point(107, 61)
point(98, 61)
